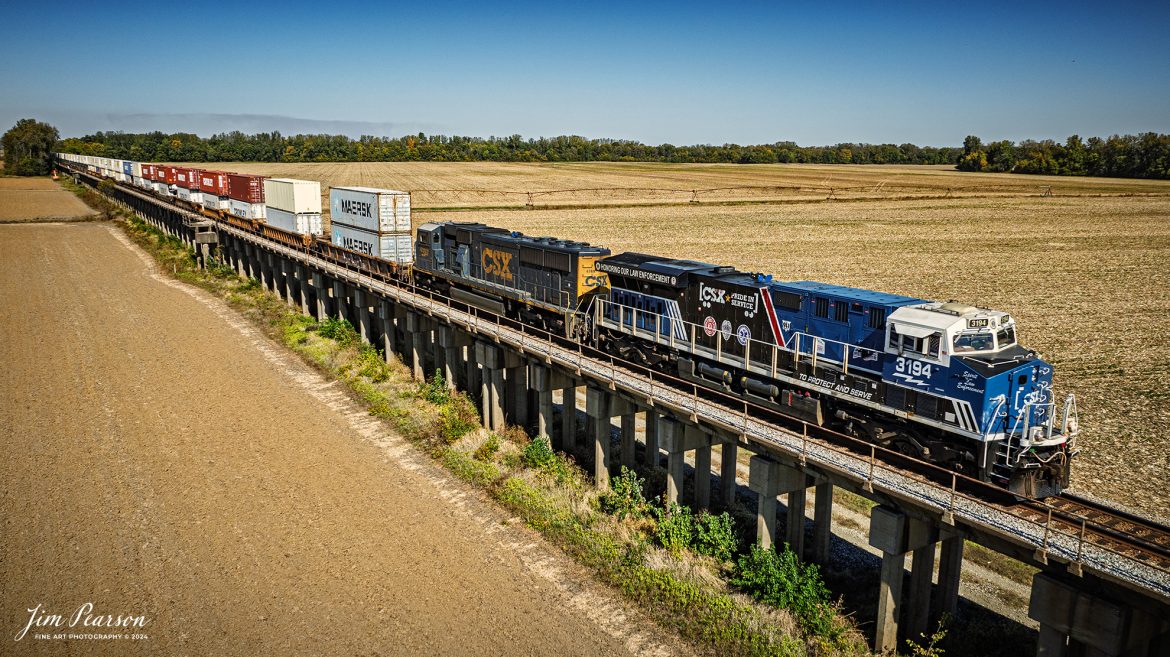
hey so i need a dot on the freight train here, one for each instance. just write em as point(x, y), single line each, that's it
point(943, 382)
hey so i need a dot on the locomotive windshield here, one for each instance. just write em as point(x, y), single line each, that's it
point(983, 341)
point(977, 341)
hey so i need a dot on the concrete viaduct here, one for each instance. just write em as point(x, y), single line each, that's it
point(1083, 601)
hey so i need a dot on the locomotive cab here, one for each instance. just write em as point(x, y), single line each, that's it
point(971, 356)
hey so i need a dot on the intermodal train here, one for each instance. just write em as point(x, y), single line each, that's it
point(944, 382)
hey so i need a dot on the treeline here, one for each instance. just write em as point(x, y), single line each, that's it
point(274, 147)
point(1142, 156)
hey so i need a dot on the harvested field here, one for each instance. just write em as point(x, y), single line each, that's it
point(1084, 270)
point(38, 199)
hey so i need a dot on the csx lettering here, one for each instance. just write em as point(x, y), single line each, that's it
point(495, 263)
point(710, 294)
point(596, 280)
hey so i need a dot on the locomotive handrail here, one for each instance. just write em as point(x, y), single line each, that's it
point(1071, 546)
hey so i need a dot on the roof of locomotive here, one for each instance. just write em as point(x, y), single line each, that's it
point(854, 293)
point(503, 236)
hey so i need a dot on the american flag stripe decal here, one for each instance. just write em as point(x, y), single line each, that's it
point(776, 335)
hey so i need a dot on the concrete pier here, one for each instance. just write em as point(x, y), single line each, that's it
point(950, 567)
point(569, 419)
point(653, 455)
point(887, 532)
point(1076, 622)
point(728, 453)
point(629, 438)
point(763, 478)
point(597, 408)
point(678, 439)
point(922, 538)
point(365, 327)
point(822, 522)
point(416, 336)
point(491, 360)
point(321, 285)
point(517, 382)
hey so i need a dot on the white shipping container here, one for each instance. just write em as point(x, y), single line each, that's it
point(160, 188)
point(247, 210)
point(139, 182)
point(303, 223)
point(136, 169)
point(295, 196)
point(216, 202)
point(395, 247)
point(188, 195)
point(375, 210)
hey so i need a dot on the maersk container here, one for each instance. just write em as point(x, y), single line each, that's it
point(303, 222)
point(395, 247)
point(247, 210)
point(249, 189)
point(293, 196)
point(370, 209)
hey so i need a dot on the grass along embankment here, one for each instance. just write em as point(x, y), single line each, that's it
point(690, 573)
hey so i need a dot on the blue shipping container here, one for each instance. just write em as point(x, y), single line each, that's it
point(128, 167)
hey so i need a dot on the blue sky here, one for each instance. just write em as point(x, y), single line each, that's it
point(680, 72)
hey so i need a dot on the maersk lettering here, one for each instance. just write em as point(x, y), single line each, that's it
point(357, 208)
point(357, 245)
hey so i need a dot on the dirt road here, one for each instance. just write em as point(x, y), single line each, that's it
point(162, 459)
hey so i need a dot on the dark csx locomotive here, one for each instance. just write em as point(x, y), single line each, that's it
point(944, 382)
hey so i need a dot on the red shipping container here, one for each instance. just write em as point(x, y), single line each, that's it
point(214, 182)
point(147, 171)
point(187, 178)
point(168, 175)
point(249, 189)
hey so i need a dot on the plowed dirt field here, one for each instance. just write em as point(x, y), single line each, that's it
point(162, 459)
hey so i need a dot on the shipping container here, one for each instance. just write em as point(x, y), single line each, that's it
point(249, 189)
point(135, 169)
point(247, 210)
point(213, 202)
point(215, 182)
point(293, 196)
point(168, 175)
point(161, 188)
point(139, 181)
point(191, 195)
point(188, 178)
point(304, 223)
point(395, 247)
point(374, 210)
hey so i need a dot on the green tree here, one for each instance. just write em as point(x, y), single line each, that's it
point(28, 148)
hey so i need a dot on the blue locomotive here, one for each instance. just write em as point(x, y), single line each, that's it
point(944, 382)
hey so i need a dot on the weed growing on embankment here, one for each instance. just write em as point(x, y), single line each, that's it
point(682, 583)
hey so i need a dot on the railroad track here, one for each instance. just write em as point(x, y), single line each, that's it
point(1095, 523)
